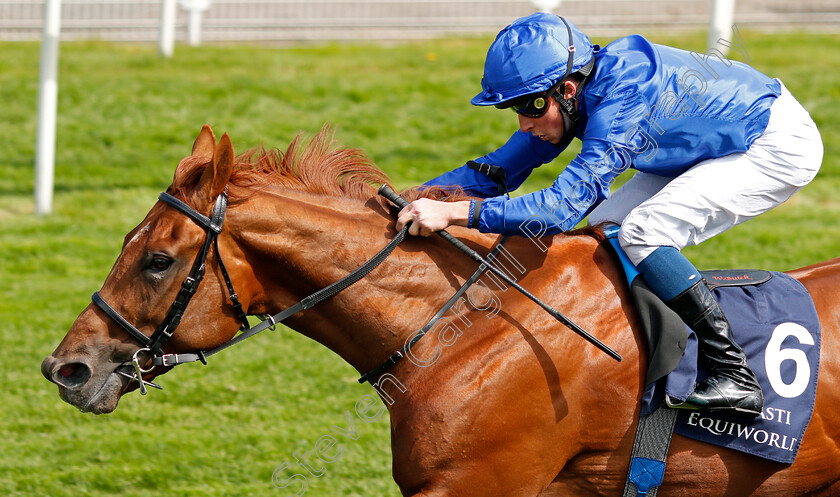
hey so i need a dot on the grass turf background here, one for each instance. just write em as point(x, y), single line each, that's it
point(126, 116)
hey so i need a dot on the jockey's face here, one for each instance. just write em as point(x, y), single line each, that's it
point(549, 127)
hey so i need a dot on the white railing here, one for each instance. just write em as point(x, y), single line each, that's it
point(297, 20)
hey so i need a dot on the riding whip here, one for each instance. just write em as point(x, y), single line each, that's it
point(400, 202)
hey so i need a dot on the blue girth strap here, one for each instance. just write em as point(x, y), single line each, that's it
point(650, 450)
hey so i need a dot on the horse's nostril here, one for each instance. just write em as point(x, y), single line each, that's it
point(72, 375)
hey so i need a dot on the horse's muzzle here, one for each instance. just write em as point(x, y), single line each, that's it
point(79, 386)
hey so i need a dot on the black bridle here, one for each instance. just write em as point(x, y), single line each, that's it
point(213, 227)
point(154, 344)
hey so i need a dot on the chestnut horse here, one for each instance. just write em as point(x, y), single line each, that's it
point(511, 404)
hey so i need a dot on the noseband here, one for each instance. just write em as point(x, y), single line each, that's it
point(154, 344)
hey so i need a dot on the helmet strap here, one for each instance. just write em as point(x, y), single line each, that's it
point(569, 131)
point(570, 115)
point(568, 107)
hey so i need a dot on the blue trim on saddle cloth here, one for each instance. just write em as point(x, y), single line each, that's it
point(630, 271)
point(646, 474)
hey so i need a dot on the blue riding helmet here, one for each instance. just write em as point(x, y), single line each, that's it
point(530, 55)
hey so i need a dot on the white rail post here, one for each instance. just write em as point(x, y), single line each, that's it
point(167, 28)
point(720, 24)
point(546, 5)
point(47, 109)
point(195, 9)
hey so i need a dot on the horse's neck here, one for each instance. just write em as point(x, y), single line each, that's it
point(299, 243)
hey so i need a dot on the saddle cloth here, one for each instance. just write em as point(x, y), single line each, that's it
point(774, 320)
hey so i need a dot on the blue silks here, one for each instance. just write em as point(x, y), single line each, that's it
point(651, 107)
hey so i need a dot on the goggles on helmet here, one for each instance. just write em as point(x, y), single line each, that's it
point(536, 105)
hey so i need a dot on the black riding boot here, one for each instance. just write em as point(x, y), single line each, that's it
point(731, 383)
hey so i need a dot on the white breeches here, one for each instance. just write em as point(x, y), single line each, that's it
point(717, 194)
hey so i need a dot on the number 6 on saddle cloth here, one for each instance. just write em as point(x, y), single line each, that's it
point(774, 320)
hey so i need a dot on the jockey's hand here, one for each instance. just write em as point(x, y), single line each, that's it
point(427, 216)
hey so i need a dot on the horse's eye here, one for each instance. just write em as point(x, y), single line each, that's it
point(159, 263)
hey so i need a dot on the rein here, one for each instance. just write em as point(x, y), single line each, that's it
point(213, 227)
point(417, 335)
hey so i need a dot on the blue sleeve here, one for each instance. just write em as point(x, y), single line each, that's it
point(606, 152)
point(551, 210)
point(521, 154)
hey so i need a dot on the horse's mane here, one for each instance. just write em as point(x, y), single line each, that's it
point(316, 166)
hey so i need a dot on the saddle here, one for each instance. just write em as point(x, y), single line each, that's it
point(774, 320)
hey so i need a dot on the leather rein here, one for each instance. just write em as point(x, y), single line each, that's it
point(213, 227)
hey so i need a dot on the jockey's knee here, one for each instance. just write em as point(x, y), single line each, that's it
point(633, 246)
point(637, 242)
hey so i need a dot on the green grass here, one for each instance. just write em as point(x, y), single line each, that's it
point(127, 116)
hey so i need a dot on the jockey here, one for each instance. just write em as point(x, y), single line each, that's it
point(714, 143)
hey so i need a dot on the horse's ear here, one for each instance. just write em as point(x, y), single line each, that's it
point(205, 143)
point(217, 174)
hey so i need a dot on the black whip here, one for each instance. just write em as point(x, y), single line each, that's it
point(400, 202)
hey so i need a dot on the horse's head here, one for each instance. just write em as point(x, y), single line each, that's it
point(92, 365)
